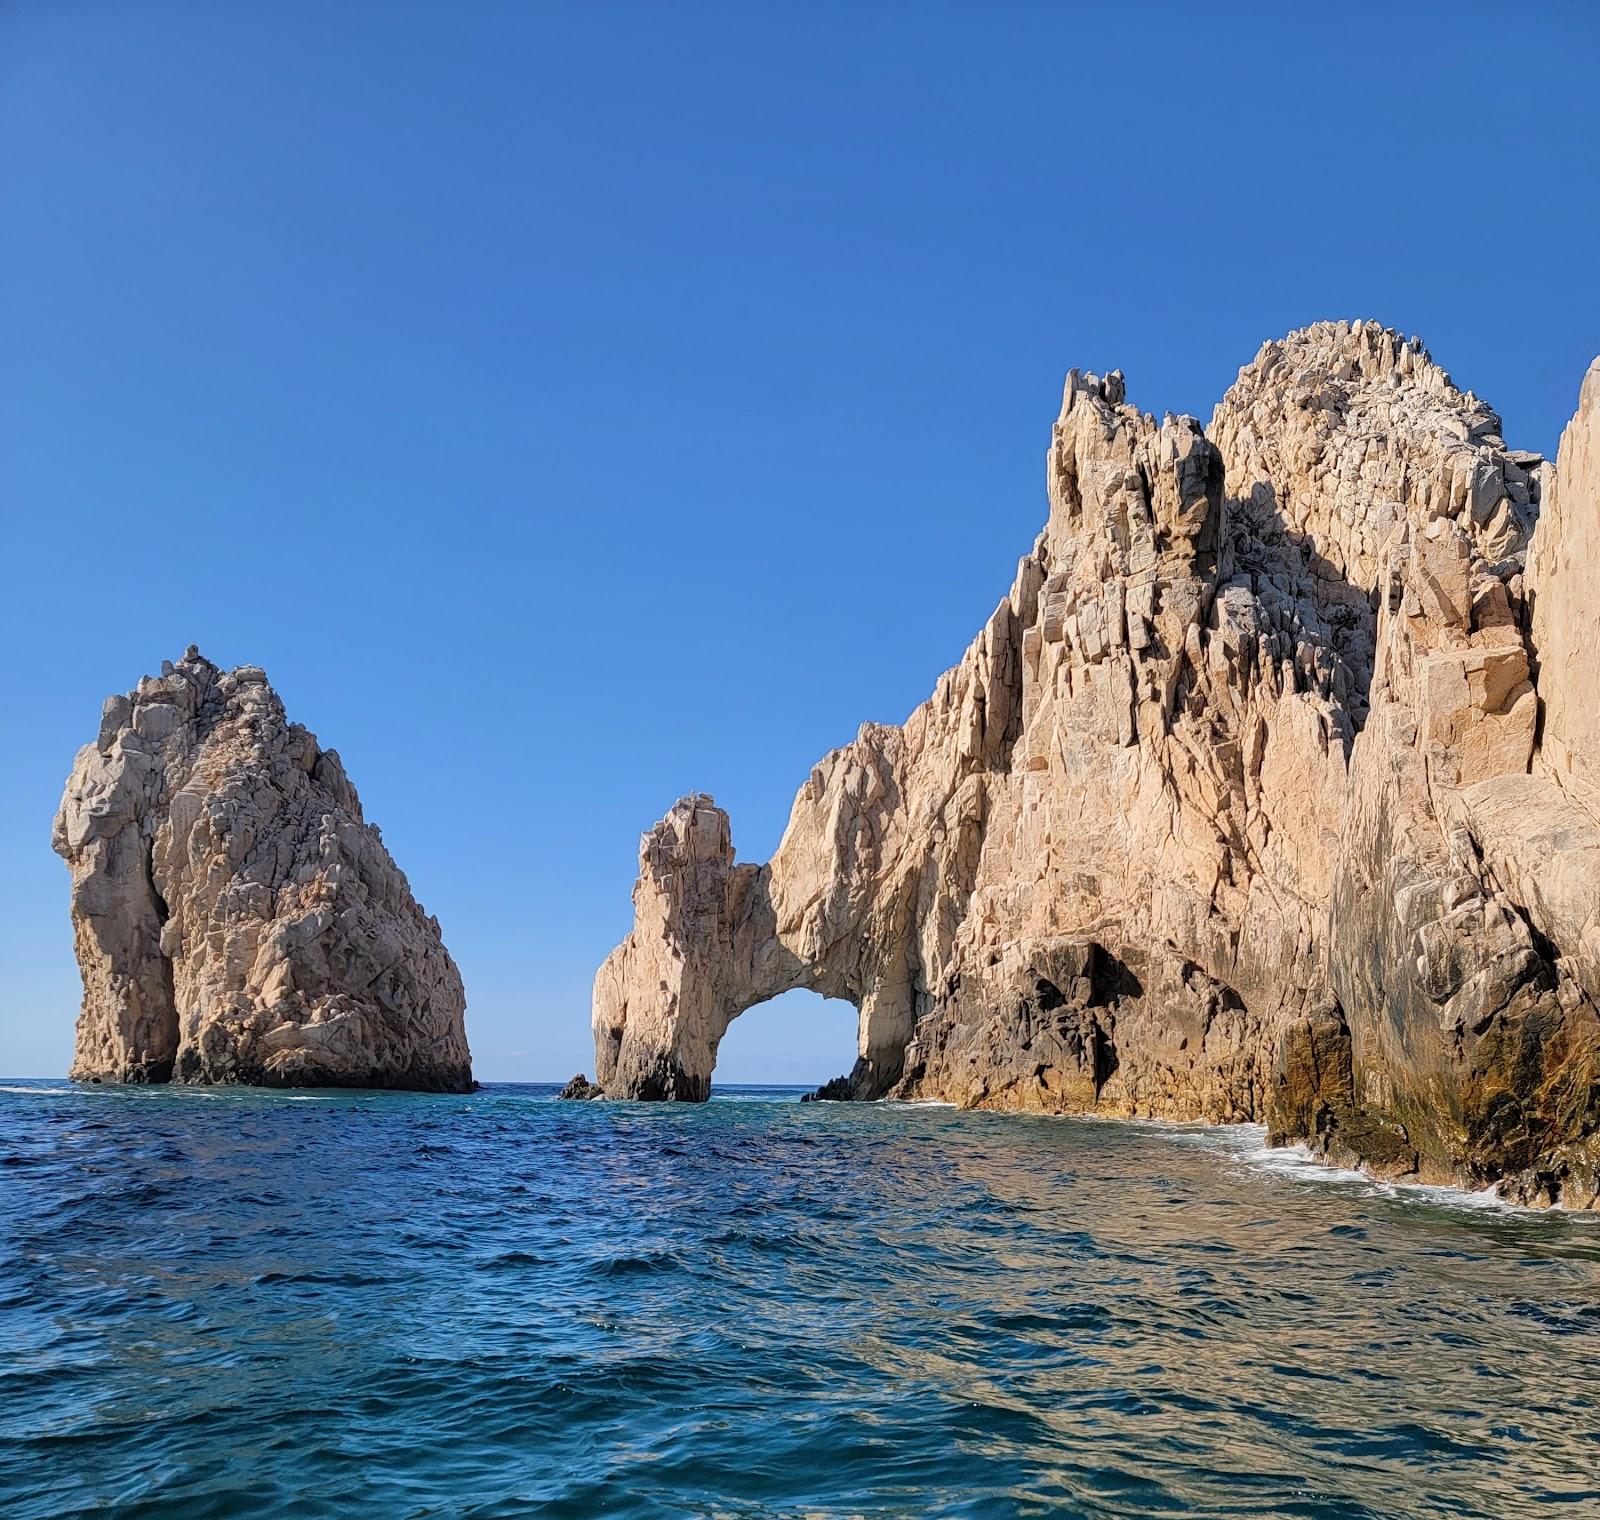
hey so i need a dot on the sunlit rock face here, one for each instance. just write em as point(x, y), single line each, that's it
point(235, 918)
point(1238, 808)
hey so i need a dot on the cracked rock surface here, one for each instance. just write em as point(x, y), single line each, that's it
point(1270, 791)
point(235, 918)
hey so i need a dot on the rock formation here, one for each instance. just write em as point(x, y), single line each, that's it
point(235, 918)
point(581, 1089)
point(1240, 806)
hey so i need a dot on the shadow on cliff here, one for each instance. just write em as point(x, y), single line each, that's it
point(1328, 625)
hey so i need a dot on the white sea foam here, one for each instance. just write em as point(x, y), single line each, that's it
point(1296, 1163)
point(1246, 1144)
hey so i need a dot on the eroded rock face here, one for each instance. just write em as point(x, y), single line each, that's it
point(235, 918)
point(1237, 808)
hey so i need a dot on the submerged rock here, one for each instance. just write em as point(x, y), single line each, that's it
point(581, 1088)
point(1238, 808)
point(235, 918)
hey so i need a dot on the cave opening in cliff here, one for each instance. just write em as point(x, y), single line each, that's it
point(797, 1039)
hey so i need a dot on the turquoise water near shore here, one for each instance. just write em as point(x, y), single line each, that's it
point(221, 1303)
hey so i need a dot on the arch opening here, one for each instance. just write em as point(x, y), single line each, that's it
point(797, 1039)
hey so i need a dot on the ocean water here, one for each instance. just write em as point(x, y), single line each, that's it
point(223, 1303)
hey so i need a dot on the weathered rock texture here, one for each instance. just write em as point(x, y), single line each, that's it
point(236, 920)
point(1237, 809)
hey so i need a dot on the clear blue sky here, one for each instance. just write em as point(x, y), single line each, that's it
point(576, 405)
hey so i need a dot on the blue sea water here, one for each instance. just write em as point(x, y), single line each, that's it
point(229, 1303)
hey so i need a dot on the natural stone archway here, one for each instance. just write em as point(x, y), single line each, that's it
point(913, 878)
point(798, 1039)
point(1237, 808)
point(707, 940)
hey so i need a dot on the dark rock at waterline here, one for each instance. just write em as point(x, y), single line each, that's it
point(581, 1087)
point(837, 1091)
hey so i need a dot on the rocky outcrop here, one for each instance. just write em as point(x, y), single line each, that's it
point(235, 918)
point(835, 1090)
point(1238, 808)
point(581, 1089)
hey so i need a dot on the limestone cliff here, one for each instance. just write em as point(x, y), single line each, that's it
point(235, 918)
point(1238, 808)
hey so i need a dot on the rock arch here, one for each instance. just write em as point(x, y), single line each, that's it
point(928, 874)
point(711, 940)
point(1238, 807)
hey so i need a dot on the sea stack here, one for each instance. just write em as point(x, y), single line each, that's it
point(1270, 791)
point(236, 919)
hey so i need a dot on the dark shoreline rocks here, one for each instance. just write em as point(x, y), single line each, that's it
point(838, 1090)
point(581, 1089)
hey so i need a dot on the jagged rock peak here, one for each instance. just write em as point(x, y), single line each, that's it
point(235, 917)
point(1238, 807)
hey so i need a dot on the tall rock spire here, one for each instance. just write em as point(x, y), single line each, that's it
point(235, 918)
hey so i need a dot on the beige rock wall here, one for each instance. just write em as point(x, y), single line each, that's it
point(1214, 819)
point(235, 918)
point(1562, 574)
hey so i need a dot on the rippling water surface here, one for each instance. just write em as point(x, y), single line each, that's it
point(224, 1303)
